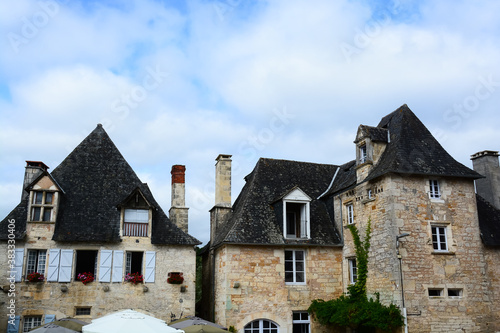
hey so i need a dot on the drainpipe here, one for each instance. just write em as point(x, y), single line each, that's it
point(401, 275)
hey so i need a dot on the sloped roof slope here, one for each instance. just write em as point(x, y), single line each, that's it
point(489, 222)
point(255, 220)
point(413, 150)
point(96, 179)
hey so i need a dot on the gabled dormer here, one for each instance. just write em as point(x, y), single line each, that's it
point(296, 214)
point(44, 196)
point(136, 215)
point(370, 144)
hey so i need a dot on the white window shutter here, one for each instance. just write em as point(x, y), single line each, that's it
point(49, 318)
point(149, 275)
point(53, 271)
point(105, 266)
point(117, 266)
point(303, 221)
point(14, 328)
point(18, 264)
point(66, 265)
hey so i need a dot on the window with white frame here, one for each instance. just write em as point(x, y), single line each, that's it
point(261, 326)
point(295, 267)
point(31, 322)
point(42, 206)
point(439, 238)
point(369, 194)
point(133, 262)
point(296, 215)
point(434, 190)
point(301, 322)
point(135, 222)
point(36, 262)
point(353, 271)
point(362, 154)
point(350, 214)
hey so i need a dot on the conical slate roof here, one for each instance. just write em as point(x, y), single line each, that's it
point(95, 179)
point(257, 216)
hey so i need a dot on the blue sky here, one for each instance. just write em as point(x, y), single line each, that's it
point(179, 82)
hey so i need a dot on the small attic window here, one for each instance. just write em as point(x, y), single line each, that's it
point(362, 154)
point(296, 215)
point(136, 215)
point(42, 206)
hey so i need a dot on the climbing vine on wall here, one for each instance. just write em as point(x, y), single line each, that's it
point(354, 309)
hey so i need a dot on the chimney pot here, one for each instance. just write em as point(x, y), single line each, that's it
point(486, 164)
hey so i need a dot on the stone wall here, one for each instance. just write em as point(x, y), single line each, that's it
point(251, 284)
point(159, 299)
point(401, 204)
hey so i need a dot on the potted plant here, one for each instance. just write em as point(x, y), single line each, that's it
point(85, 277)
point(134, 278)
point(35, 277)
point(175, 278)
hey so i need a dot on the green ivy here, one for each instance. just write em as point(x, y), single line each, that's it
point(354, 309)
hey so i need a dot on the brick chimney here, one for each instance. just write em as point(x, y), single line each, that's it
point(222, 193)
point(178, 211)
point(486, 164)
point(33, 170)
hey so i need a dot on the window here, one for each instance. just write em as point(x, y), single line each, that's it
point(42, 206)
point(301, 322)
point(36, 261)
point(455, 293)
point(133, 263)
point(353, 271)
point(439, 241)
point(369, 194)
point(434, 192)
point(435, 292)
point(261, 326)
point(86, 262)
point(362, 154)
point(31, 322)
point(295, 266)
point(82, 311)
point(296, 222)
point(135, 222)
point(350, 214)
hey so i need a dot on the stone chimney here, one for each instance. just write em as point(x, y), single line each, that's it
point(178, 211)
point(222, 193)
point(33, 170)
point(486, 164)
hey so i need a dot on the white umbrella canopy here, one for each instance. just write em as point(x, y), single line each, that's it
point(129, 321)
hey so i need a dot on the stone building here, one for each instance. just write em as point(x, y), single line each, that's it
point(273, 251)
point(435, 246)
point(92, 214)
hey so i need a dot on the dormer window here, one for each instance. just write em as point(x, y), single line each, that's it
point(136, 215)
point(362, 154)
point(42, 205)
point(296, 215)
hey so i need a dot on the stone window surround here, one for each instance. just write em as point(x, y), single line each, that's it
point(445, 288)
point(42, 205)
point(440, 185)
point(30, 322)
point(450, 243)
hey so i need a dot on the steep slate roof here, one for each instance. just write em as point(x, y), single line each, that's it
point(96, 179)
point(257, 213)
point(19, 215)
point(413, 150)
point(489, 222)
point(376, 134)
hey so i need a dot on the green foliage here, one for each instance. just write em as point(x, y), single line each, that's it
point(354, 309)
point(232, 329)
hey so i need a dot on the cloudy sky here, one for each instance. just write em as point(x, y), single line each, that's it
point(179, 82)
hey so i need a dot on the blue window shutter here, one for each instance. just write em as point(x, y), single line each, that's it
point(149, 275)
point(49, 318)
point(14, 328)
point(117, 266)
point(66, 265)
point(53, 271)
point(105, 266)
point(18, 264)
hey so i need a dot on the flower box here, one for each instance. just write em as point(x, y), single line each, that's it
point(175, 278)
point(134, 278)
point(35, 277)
point(85, 277)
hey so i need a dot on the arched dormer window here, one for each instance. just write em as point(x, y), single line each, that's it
point(296, 215)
